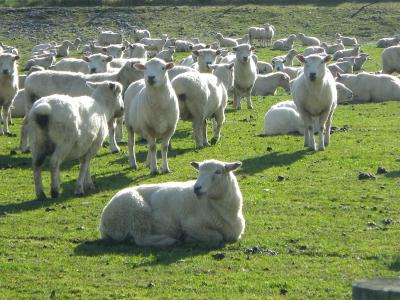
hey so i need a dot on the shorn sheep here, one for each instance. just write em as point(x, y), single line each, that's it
point(153, 112)
point(330, 49)
point(391, 60)
point(315, 95)
point(9, 86)
point(64, 127)
point(208, 210)
point(245, 75)
point(95, 63)
point(201, 96)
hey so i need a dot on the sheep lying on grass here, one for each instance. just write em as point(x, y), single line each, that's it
point(208, 210)
point(64, 127)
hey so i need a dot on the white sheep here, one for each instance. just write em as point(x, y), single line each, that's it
point(183, 46)
point(225, 73)
point(44, 62)
point(308, 40)
point(153, 112)
point(201, 96)
point(106, 38)
point(201, 46)
point(266, 85)
point(344, 66)
point(9, 86)
point(208, 210)
point(115, 51)
point(371, 87)
point(314, 50)
point(75, 44)
point(63, 49)
point(42, 47)
point(331, 49)
point(153, 43)
point(391, 60)
point(95, 63)
point(264, 67)
point(344, 94)
point(355, 51)
point(335, 69)
point(139, 34)
point(388, 42)
point(245, 75)
point(167, 55)
point(244, 39)
point(279, 66)
point(64, 127)
point(225, 42)
point(22, 77)
point(136, 50)
point(176, 70)
point(315, 95)
point(189, 61)
point(357, 61)
point(347, 41)
point(264, 34)
point(205, 57)
point(284, 44)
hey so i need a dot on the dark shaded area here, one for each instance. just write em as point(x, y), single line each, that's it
point(395, 265)
point(392, 174)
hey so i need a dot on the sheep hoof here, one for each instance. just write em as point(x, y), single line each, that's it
point(9, 134)
point(214, 141)
point(250, 107)
point(25, 149)
point(166, 171)
point(134, 166)
point(115, 151)
point(54, 193)
point(321, 148)
point(79, 192)
point(41, 196)
point(154, 172)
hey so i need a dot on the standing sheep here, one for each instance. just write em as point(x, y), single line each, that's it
point(153, 113)
point(264, 34)
point(391, 60)
point(65, 127)
point(208, 210)
point(245, 75)
point(315, 95)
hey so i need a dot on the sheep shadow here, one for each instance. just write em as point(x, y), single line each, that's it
point(152, 256)
point(395, 265)
point(257, 164)
point(392, 174)
point(13, 161)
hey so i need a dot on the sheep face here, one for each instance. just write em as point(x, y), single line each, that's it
point(155, 71)
point(314, 66)
point(243, 52)
point(114, 51)
point(278, 65)
point(97, 63)
point(285, 82)
point(111, 93)
point(8, 65)
point(206, 57)
point(214, 177)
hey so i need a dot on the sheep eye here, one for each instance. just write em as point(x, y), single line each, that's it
point(163, 68)
point(218, 172)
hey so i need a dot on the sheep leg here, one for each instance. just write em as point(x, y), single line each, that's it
point(153, 155)
point(204, 133)
point(10, 122)
point(111, 132)
point(37, 176)
point(164, 154)
point(248, 99)
point(88, 182)
point(198, 133)
point(79, 187)
point(55, 163)
point(131, 149)
point(119, 133)
point(309, 140)
point(237, 100)
point(198, 232)
point(219, 120)
point(155, 240)
point(23, 144)
point(4, 116)
point(328, 129)
point(323, 118)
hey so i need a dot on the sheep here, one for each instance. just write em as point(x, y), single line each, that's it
point(201, 96)
point(225, 73)
point(344, 94)
point(139, 34)
point(346, 53)
point(284, 44)
point(331, 49)
point(245, 75)
point(41, 84)
point(205, 57)
point(169, 42)
point(344, 66)
point(42, 47)
point(64, 127)
point(357, 61)
point(388, 42)
point(391, 60)
point(208, 210)
point(315, 95)
point(136, 50)
point(115, 51)
point(75, 45)
point(189, 61)
point(308, 40)
point(200, 46)
point(225, 42)
point(22, 77)
point(371, 87)
point(264, 67)
point(153, 44)
point(264, 34)
point(266, 85)
point(167, 55)
point(106, 38)
point(44, 62)
point(95, 63)
point(314, 50)
point(244, 39)
point(9, 86)
point(347, 41)
point(176, 70)
point(183, 46)
point(335, 69)
point(279, 66)
point(153, 112)
point(63, 49)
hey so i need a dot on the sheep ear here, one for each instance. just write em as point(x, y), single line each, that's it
point(252, 48)
point(234, 49)
point(169, 66)
point(218, 52)
point(112, 86)
point(104, 50)
point(195, 164)
point(16, 57)
point(232, 166)
point(231, 66)
point(85, 58)
point(139, 66)
point(284, 60)
point(208, 46)
point(327, 58)
point(91, 85)
point(109, 58)
point(123, 48)
point(196, 52)
point(301, 58)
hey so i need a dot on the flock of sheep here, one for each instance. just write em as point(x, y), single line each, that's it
point(70, 107)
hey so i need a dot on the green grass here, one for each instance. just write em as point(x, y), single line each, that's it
point(316, 219)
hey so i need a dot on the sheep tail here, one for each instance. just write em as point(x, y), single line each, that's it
point(42, 115)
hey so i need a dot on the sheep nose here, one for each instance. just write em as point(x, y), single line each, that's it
point(197, 190)
point(313, 76)
point(151, 79)
point(93, 70)
point(245, 58)
point(5, 72)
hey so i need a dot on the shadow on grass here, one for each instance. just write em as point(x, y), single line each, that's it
point(392, 174)
point(395, 265)
point(257, 164)
point(11, 161)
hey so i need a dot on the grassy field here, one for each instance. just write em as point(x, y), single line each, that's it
point(326, 227)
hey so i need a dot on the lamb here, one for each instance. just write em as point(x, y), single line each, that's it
point(265, 34)
point(308, 40)
point(41, 84)
point(288, 58)
point(167, 55)
point(245, 75)
point(244, 39)
point(106, 38)
point(372, 87)
point(63, 49)
point(136, 50)
point(44, 62)
point(64, 127)
point(75, 45)
point(139, 34)
point(183, 46)
point(205, 57)
point(391, 60)
point(225, 73)
point(225, 42)
point(115, 51)
point(201, 96)
point(335, 69)
point(357, 61)
point(279, 66)
point(346, 53)
point(315, 95)
point(208, 210)
point(95, 63)
point(388, 42)
point(9, 86)
point(22, 77)
point(154, 44)
point(345, 66)
point(344, 94)
point(267, 84)
point(331, 49)
point(153, 112)
point(284, 44)
point(264, 67)
point(314, 50)
point(347, 41)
